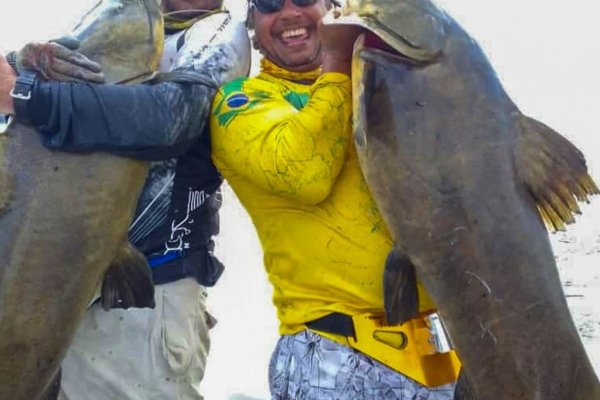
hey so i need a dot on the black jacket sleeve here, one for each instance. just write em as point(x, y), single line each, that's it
point(152, 122)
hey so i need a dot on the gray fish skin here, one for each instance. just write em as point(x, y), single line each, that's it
point(448, 156)
point(102, 43)
point(63, 220)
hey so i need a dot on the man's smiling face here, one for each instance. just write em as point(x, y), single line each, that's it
point(289, 37)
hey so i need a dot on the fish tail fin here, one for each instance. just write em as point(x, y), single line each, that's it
point(128, 281)
point(401, 296)
point(554, 171)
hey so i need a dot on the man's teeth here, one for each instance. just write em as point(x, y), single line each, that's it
point(294, 32)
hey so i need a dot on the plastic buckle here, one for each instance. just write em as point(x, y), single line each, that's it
point(439, 334)
point(24, 83)
point(20, 96)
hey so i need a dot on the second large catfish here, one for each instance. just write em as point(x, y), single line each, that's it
point(465, 182)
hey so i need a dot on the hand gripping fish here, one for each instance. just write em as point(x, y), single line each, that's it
point(466, 184)
point(64, 217)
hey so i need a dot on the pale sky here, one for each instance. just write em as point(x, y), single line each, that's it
point(546, 52)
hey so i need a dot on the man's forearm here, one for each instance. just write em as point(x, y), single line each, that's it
point(142, 121)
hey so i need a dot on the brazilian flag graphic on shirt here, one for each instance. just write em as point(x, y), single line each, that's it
point(235, 101)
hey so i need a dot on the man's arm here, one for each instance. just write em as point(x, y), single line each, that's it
point(292, 153)
point(151, 122)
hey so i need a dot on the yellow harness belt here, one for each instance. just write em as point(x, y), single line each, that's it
point(418, 349)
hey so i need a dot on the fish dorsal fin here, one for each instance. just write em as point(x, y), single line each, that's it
point(554, 171)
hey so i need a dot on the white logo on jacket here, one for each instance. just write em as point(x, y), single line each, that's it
point(179, 229)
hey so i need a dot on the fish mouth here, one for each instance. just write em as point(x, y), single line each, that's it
point(381, 37)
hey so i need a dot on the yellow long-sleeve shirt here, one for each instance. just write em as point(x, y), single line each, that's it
point(285, 148)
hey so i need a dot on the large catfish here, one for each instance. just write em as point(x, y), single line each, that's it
point(64, 217)
point(466, 182)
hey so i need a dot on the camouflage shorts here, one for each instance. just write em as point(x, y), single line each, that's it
point(309, 366)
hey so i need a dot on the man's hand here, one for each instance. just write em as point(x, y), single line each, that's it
point(58, 60)
point(7, 83)
point(338, 42)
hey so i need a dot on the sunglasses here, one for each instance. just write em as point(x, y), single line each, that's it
point(272, 6)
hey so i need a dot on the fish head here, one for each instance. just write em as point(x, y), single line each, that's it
point(404, 99)
point(124, 36)
point(413, 28)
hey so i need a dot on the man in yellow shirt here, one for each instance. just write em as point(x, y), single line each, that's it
point(283, 141)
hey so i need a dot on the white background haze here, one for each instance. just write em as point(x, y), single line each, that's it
point(547, 54)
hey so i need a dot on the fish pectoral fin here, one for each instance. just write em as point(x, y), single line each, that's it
point(400, 294)
point(554, 171)
point(128, 281)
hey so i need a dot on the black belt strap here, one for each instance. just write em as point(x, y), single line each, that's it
point(335, 323)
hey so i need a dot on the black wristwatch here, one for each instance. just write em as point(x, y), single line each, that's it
point(21, 93)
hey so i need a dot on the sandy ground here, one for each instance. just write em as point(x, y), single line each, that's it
point(577, 253)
